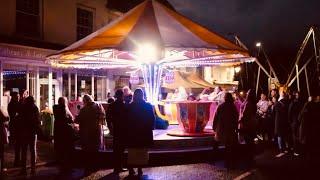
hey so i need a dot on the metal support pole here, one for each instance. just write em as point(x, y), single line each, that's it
point(302, 47)
point(60, 85)
point(50, 102)
point(28, 79)
point(37, 87)
point(75, 86)
point(1, 84)
point(69, 86)
point(257, 85)
point(297, 71)
point(307, 81)
point(92, 85)
point(300, 71)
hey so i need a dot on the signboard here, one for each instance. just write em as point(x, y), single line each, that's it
point(169, 77)
point(134, 79)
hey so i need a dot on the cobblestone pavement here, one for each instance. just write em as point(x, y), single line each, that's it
point(268, 166)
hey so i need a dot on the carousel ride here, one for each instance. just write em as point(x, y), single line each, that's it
point(149, 39)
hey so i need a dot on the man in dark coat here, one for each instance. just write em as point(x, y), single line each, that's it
point(295, 108)
point(116, 117)
point(141, 119)
point(13, 110)
point(282, 126)
point(309, 132)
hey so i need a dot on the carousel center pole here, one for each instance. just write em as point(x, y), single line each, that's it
point(152, 80)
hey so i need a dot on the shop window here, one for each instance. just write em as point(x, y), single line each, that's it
point(28, 17)
point(84, 22)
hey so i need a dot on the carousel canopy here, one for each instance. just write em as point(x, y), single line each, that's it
point(178, 42)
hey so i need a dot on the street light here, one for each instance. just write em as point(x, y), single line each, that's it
point(258, 44)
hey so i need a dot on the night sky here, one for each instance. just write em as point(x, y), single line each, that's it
point(280, 25)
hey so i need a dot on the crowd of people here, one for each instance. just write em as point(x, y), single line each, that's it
point(283, 119)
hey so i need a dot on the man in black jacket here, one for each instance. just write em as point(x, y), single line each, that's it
point(116, 116)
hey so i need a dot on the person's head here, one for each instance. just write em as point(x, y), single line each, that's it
point(138, 95)
point(15, 96)
point(191, 98)
point(110, 100)
point(274, 99)
point(87, 99)
point(217, 89)
point(29, 100)
point(228, 98)
point(119, 94)
point(263, 96)
point(273, 93)
point(24, 94)
point(126, 91)
point(62, 101)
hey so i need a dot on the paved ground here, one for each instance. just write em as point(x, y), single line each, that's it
point(268, 166)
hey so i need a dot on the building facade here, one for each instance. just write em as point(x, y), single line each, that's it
point(32, 29)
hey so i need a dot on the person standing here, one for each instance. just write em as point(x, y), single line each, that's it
point(3, 138)
point(29, 132)
point(89, 120)
point(295, 108)
point(262, 108)
point(116, 117)
point(247, 123)
point(282, 126)
point(141, 122)
point(225, 126)
point(63, 133)
point(13, 111)
point(309, 132)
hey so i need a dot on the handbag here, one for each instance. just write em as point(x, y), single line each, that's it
point(138, 156)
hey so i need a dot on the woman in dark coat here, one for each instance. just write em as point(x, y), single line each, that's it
point(90, 119)
point(247, 123)
point(140, 124)
point(225, 126)
point(282, 127)
point(63, 133)
point(29, 132)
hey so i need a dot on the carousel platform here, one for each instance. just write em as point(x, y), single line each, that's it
point(167, 149)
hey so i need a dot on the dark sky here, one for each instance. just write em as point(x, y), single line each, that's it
point(280, 25)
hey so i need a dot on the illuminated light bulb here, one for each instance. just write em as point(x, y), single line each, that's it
point(147, 53)
point(237, 69)
point(258, 44)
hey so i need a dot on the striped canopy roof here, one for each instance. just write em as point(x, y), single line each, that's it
point(177, 38)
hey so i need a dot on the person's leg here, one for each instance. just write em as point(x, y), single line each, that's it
point(24, 147)
point(117, 157)
point(33, 152)
point(1, 157)
point(17, 151)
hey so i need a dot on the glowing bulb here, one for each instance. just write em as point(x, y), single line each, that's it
point(258, 44)
point(147, 53)
point(237, 69)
